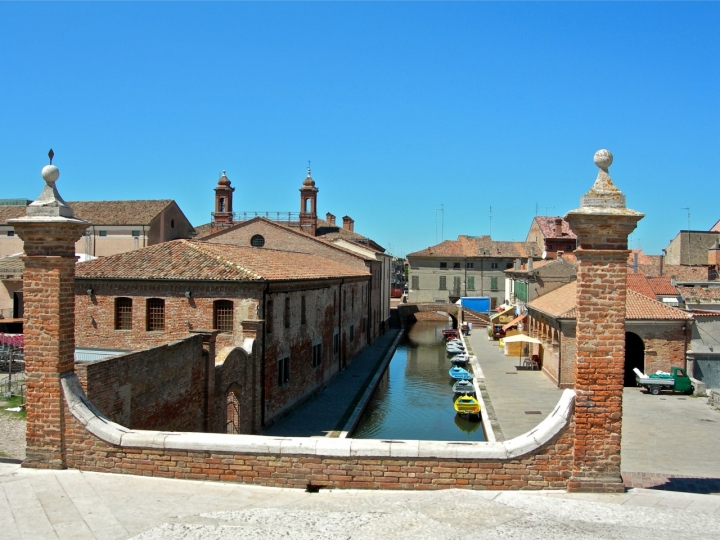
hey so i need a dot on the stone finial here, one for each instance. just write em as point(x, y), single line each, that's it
point(50, 203)
point(603, 193)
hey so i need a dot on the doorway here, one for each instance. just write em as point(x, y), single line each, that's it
point(634, 357)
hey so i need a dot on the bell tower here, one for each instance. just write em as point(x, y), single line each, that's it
point(308, 205)
point(223, 214)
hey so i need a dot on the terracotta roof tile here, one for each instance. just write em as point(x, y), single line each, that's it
point(201, 261)
point(662, 285)
point(561, 303)
point(547, 227)
point(699, 294)
point(139, 212)
point(639, 284)
point(474, 246)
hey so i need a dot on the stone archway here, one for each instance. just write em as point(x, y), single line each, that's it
point(634, 357)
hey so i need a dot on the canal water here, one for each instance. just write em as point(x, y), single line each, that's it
point(414, 398)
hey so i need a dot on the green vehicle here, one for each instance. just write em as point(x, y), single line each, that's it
point(677, 381)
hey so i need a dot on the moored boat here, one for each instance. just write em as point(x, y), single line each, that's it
point(467, 405)
point(459, 373)
point(463, 387)
point(459, 360)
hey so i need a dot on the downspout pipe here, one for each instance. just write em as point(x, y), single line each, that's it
point(266, 290)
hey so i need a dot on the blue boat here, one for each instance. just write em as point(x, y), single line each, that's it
point(460, 374)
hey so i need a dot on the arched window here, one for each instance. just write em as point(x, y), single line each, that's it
point(257, 241)
point(232, 413)
point(223, 315)
point(221, 204)
point(123, 314)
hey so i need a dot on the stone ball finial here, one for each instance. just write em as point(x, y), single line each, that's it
point(50, 173)
point(603, 159)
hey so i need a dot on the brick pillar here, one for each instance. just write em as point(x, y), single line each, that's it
point(602, 224)
point(49, 232)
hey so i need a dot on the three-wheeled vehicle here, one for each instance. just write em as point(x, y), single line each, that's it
point(677, 381)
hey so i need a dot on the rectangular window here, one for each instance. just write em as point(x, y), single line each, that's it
point(363, 325)
point(223, 315)
point(493, 284)
point(456, 285)
point(284, 371)
point(469, 265)
point(336, 343)
point(443, 284)
point(136, 233)
point(103, 233)
point(352, 333)
point(493, 265)
point(443, 265)
point(123, 314)
point(416, 283)
point(269, 317)
point(303, 320)
point(471, 283)
point(317, 355)
point(286, 313)
point(11, 233)
point(155, 315)
point(456, 266)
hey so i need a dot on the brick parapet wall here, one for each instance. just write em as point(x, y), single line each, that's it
point(159, 388)
point(539, 461)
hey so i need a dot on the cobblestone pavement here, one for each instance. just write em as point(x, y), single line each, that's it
point(48, 504)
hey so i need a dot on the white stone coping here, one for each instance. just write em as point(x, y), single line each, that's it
point(115, 434)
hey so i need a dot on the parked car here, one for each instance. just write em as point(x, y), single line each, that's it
point(396, 293)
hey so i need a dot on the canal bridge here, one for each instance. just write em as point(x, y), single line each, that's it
point(407, 312)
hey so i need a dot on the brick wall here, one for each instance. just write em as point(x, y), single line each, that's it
point(545, 468)
point(665, 343)
point(95, 325)
point(239, 373)
point(161, 388)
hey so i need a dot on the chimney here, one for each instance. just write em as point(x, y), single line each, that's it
point(530, 265)
point(348, 224)
point(330, 218)
point(714, 255)
point(560, 255)
point(558, 227)
point(518, 264)
point(635, 263)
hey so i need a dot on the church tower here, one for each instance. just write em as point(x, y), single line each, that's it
point(223, 215)
point(308, 205)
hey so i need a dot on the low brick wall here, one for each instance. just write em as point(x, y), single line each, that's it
point(540, 459)
point(157, 388)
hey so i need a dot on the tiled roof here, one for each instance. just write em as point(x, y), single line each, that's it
point(200, 261)
point(561, 303)
point(684, 273)
point(103, 212)
point(547, 227)
point(288, 229)
point(639, 284)
point(558, 303)
point(476, 246)
point(699, 294)
point(662, 285)
point(203, 230)
point(334, 232)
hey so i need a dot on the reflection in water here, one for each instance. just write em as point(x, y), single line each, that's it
point(414, 399)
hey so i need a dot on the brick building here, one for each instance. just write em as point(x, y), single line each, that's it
point(295, 319)
point(551, 234)
point(468, 266)
point(302, 232)
point(656, 334)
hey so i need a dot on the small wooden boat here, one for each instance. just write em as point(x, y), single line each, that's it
point(459, 360)
point(467, 405)
point(460, 374)
point(463, 387)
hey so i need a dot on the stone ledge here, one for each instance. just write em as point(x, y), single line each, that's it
point(115, 434)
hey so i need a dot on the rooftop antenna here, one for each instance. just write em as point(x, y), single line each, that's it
point(442, 230)
point(547, 210)
point(491, 222)
point(536, 209)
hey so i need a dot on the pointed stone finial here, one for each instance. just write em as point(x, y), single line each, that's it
point(50, 203)
point(603, 193)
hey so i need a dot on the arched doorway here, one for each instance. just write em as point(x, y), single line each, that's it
point(634, 357)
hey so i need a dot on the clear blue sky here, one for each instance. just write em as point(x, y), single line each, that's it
point(401, 107)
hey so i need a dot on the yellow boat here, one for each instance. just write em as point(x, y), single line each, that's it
point(467, 405)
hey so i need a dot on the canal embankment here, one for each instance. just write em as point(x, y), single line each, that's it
point(337, 406)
